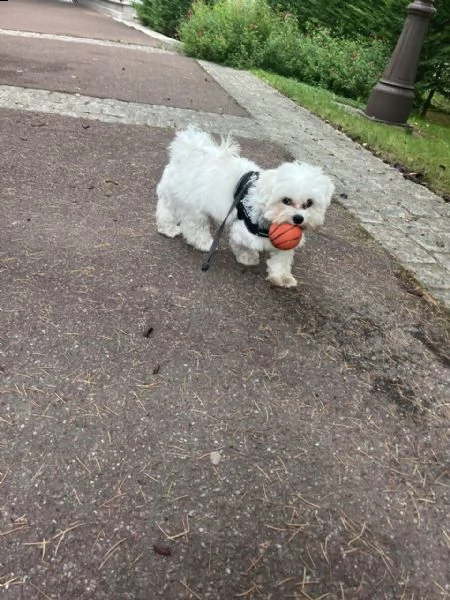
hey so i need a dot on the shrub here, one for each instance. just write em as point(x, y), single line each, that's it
point(346, 67)
point(349, 18)
point(248, 33)
point(384, 20)
point(162, 15)
point(231, 31)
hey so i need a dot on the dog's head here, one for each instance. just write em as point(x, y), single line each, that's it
point(295, 193)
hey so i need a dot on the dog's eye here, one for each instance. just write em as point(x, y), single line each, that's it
point(308, 203)
point(287, 201)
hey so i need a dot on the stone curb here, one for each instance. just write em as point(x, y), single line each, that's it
point(130, 113)
point(91, 41)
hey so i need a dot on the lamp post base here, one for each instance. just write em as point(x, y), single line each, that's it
point(392, 98)
point(390, 103)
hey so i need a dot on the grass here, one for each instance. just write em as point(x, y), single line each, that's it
point(425, 149)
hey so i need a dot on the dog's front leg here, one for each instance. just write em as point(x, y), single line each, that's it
point(279, 268)
point(244, 245)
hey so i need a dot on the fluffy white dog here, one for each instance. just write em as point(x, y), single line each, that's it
point(203, 178)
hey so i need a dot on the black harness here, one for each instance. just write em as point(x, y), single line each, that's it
point(240, 192)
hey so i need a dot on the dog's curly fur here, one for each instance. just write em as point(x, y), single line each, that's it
point(197, 187)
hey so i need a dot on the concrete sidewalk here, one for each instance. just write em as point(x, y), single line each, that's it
point(166, 433)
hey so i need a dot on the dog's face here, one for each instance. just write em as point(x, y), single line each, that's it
point(296, 193)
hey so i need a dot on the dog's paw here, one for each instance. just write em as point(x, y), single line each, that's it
point(286, 281)
point(170, 231)
point(248, 258)
point(204, 245)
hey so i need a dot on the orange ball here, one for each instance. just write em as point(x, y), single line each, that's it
point(285, 236)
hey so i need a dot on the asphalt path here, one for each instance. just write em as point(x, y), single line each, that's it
point(168, 433)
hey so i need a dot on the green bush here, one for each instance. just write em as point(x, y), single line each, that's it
point(233, 32)
point(162, 15)
point(346, 67)
point(248, 33)
point(349, 18)
point(383, 20)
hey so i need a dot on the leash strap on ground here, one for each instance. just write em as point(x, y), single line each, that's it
point(240, 191)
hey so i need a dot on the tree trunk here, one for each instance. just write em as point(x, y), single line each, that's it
point(426, 105)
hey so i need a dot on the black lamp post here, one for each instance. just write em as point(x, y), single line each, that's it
point(392, 98)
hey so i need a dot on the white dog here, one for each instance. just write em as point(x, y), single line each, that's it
point(200, 182)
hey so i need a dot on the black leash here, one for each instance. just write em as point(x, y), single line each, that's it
point(239, 193)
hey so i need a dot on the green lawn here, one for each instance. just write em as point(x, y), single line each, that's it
point(424, 149)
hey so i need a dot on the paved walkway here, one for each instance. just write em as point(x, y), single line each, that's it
point(412, 223)
point(167, 433)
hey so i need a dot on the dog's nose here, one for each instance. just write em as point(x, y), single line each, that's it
point(298, 219)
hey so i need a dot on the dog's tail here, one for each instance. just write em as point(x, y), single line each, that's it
point(194, 141)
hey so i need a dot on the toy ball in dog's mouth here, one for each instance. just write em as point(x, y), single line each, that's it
point(285, 236)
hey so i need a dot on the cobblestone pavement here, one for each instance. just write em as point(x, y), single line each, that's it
point(81, 40)
point(408, 220)
point(131, 113)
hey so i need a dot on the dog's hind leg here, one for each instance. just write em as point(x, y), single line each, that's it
point(197, 231)
point(243, 254)
point(166, 221)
